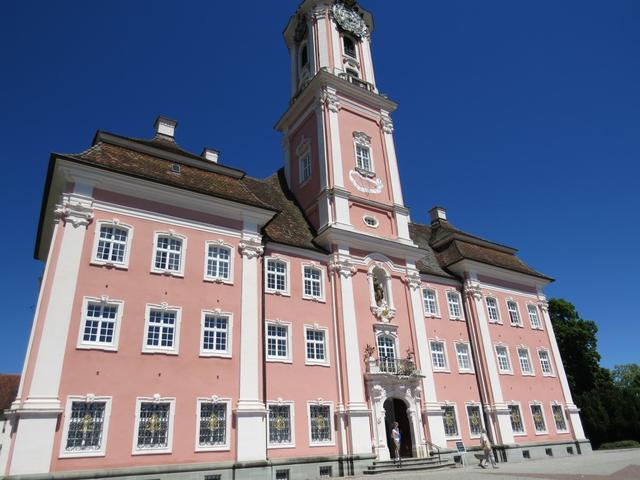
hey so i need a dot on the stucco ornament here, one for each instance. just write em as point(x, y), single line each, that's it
point(75, 209)
point(342, 266)
point(349, 20)
point(251, 248)
point(383, 312)
point(365, 184)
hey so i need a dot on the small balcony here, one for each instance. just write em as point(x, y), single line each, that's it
point(401, 367)
point(357, 82)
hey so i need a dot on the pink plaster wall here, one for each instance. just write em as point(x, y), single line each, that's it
point(307, 192)
point(386, 222)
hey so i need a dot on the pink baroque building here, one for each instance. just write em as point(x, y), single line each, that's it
point(195, 322)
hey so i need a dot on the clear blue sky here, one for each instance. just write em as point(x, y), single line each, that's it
point(521, 118)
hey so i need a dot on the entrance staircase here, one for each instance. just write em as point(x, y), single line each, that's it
point(409, 465)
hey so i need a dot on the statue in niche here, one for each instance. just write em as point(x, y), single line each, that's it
point(378, 290)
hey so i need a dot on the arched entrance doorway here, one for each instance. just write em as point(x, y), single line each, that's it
point(396, 411)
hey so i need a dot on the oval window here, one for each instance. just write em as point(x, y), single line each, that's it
point(371, 221)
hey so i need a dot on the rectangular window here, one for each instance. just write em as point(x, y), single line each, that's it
point(280, 425)
point(450, 422)
point(516, 419)
point(538, 418)
point(464, 358)
point(212, 427)
point(100, 324)
point(558, 418)
point(437, 355)
point(168, 255)
point(502, 354)
point(320, 420)
point(525, 361)
point(453, 299)
point(492, 310)
point(475, 420)
point(315, 345)
point(545, 362)
point(162, 329)
point(312, 282)
point(305, 167)
point(153, 426)
point(514, 315)
point(277, 342)
point(276, 276)
point(430, 302)
point(112, 244)
point(218, 262)
point(363, 158)
point(85, 427)
point(533, 317)
point(215, 334)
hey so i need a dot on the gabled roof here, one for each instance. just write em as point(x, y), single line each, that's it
point(8, 391)
point(421, 235)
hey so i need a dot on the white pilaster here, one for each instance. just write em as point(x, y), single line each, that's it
point(336, 47)
point(366, 60)
point(387, 128)
point(250, 411)
point(330, 98)
point(38, 414)
point(322, 40)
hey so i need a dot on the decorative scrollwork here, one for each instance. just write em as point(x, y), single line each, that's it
point(349, 20)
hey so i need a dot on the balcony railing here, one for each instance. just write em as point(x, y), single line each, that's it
point(393, 366)
point(356, 81)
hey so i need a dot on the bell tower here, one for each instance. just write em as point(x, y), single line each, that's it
point(340, 159)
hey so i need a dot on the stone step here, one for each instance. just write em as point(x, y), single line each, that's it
point(412, 467)
point(407, 461)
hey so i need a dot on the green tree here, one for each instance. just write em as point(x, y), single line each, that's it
point(627, 377)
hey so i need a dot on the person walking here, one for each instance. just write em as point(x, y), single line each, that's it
point(396, 436)
point(485, 444)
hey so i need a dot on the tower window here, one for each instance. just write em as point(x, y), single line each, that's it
point(304, 56)
point(349, 47)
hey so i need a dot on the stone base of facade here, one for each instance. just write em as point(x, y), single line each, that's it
point(304, 467)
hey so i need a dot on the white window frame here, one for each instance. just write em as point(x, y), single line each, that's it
point(531, 306)
point(457, 419)
point(215, 353)
point(362, 140)
point(517, 311)
point(444, 352)
point(497, 308)
point(292, 426)
point(113, 346)
point(322, 403)
point(375, 224)
point(289, 357)
point(176, 335)
point(183, 253)
point(544, 418)
point(452, 315)
point(213, 448)
point(436, 300)
point(531, 372)
point(215, 278)
point(523, 433)
point(466, 411)
point(313, 361)
point(552, 373)
point(468, 345)
point(172, 411)
point(304, 160)
point(101, 452)
point(566, 421)
point(127, 248)
point(321, 297)
point(500, 369)
point(287, 276)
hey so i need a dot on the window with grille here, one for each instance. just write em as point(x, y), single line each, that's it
point(326, 472)
point(168, 255)
point(153, 425)
point(349, 47)
point(277, 341)
point(514, 315)
point(99, 324)
point(218, 262)
point(161, 329)
point(215, 334)
point(464, 357)
point(280, 424)
point(282, 474)
point(558, 418)
point(276, 276)
point(305, 167)
point(363, 157)
point(312, 282)
point(525, 361)
point(545, 362)
point(516, 419)
point(320, 419)
point(437, 355)
point(504, 365)
point(450, 422)
point(212, 430)
point(453, 299)
point(475, 420)
point(112, 244)
point(492, 309)
point(315, 345)
point(533, 316)
point(387, 353)
point(538, 418)
point(430, 302)
point(85, 427)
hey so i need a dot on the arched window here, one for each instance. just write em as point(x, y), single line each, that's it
point(349, 47)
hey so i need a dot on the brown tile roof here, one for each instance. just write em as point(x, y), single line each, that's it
point(421, 235)
point(8, 391)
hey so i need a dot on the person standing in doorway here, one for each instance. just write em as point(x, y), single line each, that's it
point(485, 444)
point(396, 436)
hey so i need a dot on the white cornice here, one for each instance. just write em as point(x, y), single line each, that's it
point(296, 251)
point(465, 266)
